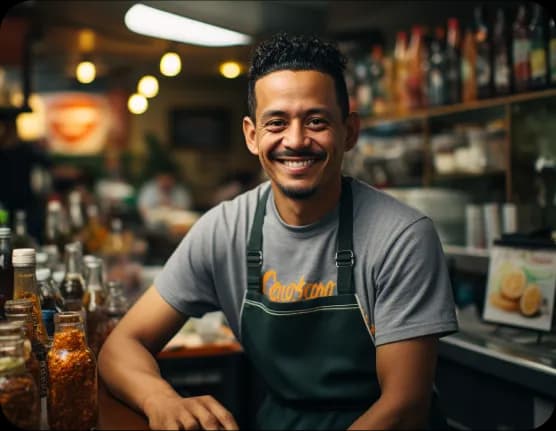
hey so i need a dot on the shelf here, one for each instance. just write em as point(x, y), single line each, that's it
point(466, 175)
point(421, 114)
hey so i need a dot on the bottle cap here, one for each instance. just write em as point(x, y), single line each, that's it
point(5, 232)
point(41, 257)
point(23, 256)
point(42, 274)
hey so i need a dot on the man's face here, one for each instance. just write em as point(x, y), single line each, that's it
point(299, 135)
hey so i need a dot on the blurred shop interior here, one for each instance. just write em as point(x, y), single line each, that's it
point(120, 141)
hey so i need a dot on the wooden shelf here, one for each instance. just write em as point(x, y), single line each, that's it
point(466, 175)
point(421, 114)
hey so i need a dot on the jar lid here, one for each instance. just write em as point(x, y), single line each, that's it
point(42, 274)
point(23, 256)
point(5, 232)
point(18, 306)
point(11, 329)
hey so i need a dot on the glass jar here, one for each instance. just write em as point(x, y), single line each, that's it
point(19, 314)
point(19, 396)
point(115, 307)
point(72, 372)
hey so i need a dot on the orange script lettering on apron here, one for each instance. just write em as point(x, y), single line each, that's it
point(294, 291)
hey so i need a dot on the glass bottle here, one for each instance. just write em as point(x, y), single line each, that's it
point(21, 238)
point(484, 54)
point(378, 81)
point(21, 310)
point(363, 85)
point(93, 301)
point(51, 299)
point(54, 231)
point(6, 268)
point(436, 74)
point(521, 51)
point(72, 287)
point(501, 51)
point(25, 286)
point(19, 396)
point(415, 55)
point(401, 97)
point(468, 67)
point(72, 376)
point(115, 307)
point(19, 327)
point(552, 51)
point(76, 218)
point(538, 61)
point(95, 232)
point(453, 62)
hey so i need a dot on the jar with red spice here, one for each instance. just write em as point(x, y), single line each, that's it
point(72, 376)
point(19, 396)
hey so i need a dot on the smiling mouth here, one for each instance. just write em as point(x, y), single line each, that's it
point(298, 163)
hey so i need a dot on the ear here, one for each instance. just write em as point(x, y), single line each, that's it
point(353, 124)
point(250, 131)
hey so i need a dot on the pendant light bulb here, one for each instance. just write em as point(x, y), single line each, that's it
point(230, 69)
point(170, 64)
point(137, 104)
point(148, 86)
point(85, 72)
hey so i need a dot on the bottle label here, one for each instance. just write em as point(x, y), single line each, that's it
point(364, 97)
point(538, 63)
point(501, 71)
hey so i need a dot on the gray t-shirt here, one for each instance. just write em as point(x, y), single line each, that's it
point(400, 273)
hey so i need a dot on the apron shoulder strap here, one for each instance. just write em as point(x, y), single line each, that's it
point(345, 258)
point(255, 245)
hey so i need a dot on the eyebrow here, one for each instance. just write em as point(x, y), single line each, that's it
point(280, 113)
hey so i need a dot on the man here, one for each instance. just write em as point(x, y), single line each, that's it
point(337, 292)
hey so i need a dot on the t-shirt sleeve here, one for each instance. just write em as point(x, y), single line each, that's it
point(186, 282)
point(413, 293)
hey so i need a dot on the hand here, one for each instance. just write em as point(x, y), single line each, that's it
point(191, 413)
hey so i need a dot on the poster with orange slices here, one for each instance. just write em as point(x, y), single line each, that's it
point(520, 287)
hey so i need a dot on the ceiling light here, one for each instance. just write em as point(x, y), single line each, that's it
point(85, 72)
point(230, 69)
point(137, 104)
point(148, 86)
point(157, 23)
point(170, 64)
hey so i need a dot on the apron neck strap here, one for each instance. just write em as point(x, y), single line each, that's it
point(344, 257)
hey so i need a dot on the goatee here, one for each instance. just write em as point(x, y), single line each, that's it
point(297, 193)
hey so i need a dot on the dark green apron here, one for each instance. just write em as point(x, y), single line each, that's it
point(321, 382)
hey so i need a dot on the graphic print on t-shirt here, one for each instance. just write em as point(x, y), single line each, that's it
point(283, 290)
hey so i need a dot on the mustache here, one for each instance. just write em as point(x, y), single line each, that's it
point(318, 155)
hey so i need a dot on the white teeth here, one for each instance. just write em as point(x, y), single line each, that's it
point(298, 163)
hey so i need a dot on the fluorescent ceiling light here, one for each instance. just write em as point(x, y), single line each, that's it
point(156, 23)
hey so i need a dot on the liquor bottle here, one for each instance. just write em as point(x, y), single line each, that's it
point(437, 69)
point(6, 268)
point(95, 233)
point(72, 287)
point(21, 238)
point(93, 301)
point(415, 55)
point(364, 91)
point(76, 218)
point(401, 97)
point(378, 81)
point(552, 51)
point(453, 62)
point(54, 232)
point(25, 286)
point(484, 55)
point(521, 51)
point(51, 299)
point(468, 67)
point(501, 53)
point(538, 61)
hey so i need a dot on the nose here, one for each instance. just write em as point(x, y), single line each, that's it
point(295, 136)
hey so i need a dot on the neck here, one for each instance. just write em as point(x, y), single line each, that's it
point(301, 212)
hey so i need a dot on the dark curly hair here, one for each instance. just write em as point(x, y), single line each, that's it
point(298, 52)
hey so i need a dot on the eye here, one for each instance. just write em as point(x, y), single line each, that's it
point(274, 125)
point(317, 123)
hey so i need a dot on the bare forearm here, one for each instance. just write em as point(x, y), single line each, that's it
point(385, 415)
point(131, 372)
